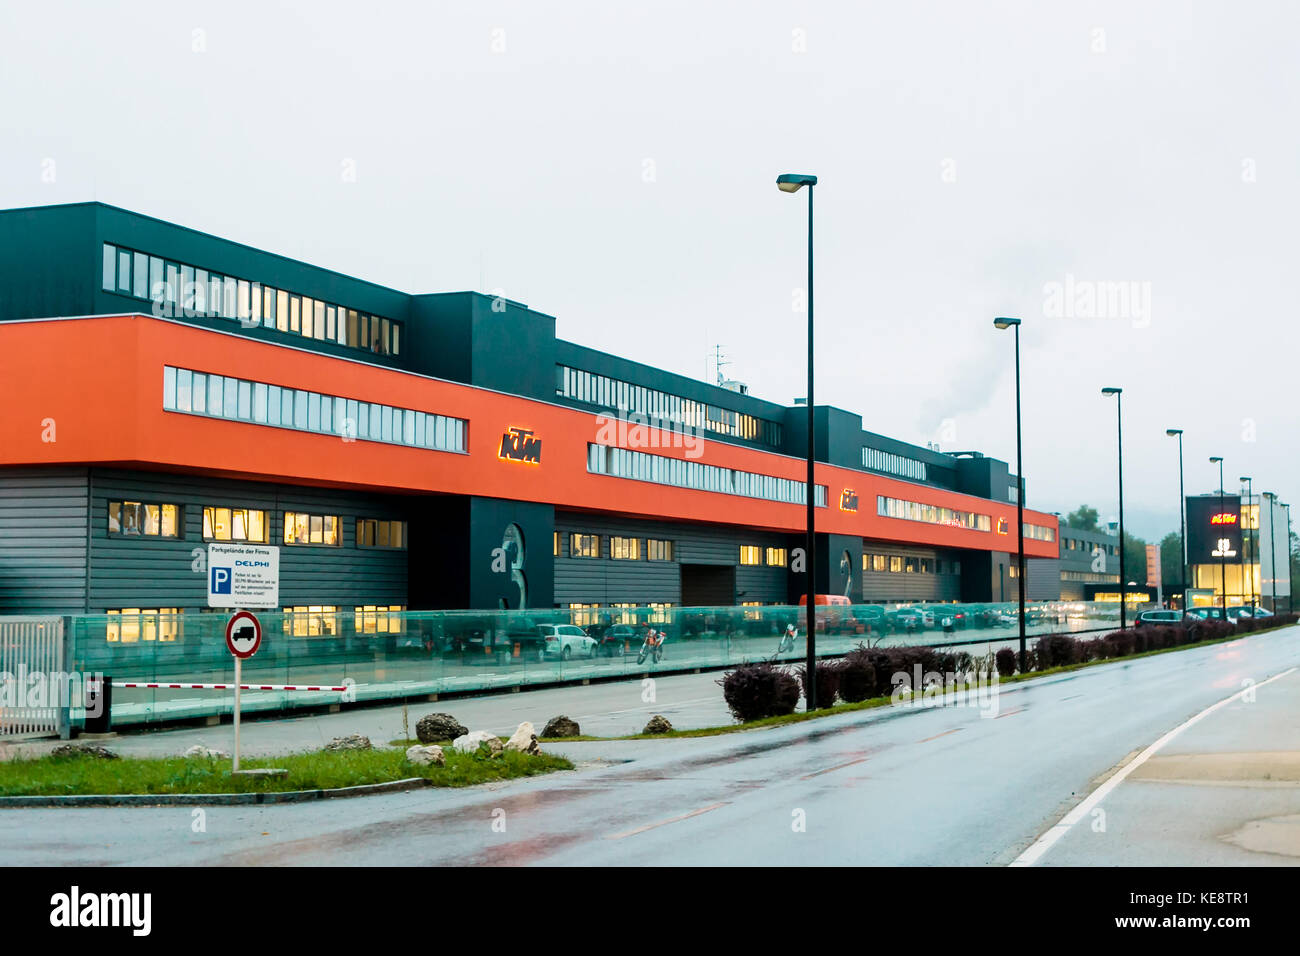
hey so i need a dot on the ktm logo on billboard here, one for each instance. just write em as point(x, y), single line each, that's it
point(848, 500)
point(520, 444)
point(1223, 518)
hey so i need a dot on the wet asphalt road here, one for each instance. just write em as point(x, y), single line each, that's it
point(920, 786)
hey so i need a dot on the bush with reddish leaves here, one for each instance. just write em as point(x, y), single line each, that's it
point(755, 691)
point(828, 682)
point(1006, 661)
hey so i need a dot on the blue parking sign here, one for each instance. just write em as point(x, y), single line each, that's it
point(220, 581)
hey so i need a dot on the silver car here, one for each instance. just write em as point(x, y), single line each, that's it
point(566, 641)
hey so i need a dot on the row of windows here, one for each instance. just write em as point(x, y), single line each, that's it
point(621, 548)
point(878, 460)
point(931, 514)
point(130, 625)
point(1090, 577)
point(596, 389)
point(660, 469)
point(198, 393)
point(180, 290)
point(1078, 544)
point(902, 564)
point(584, 615)
point(146, 519)
point(752, 554)
point(1039, 532)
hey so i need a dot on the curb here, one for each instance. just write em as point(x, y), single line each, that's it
point(210, 799)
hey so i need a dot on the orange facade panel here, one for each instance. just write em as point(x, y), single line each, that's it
point(90, 391)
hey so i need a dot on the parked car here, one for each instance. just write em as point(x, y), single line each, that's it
point(614, 639)
point(1260, 612)
point(1207, 613)
point(907, 619)
point(1158, 617)
point(565, 641)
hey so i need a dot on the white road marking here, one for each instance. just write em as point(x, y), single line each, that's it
point(1050, 838)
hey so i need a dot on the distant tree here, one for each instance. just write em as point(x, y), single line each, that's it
point(1135, 560)
point(1083, 518)
point(1171, 561)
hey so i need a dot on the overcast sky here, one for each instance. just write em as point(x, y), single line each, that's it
point(613, 165)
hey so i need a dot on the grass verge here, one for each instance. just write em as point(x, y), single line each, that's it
point(319, 770)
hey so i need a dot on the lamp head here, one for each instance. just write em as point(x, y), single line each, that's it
point(793, 182)
point(1004, 322)
point(1171, 432)
point(1215, 460)
point(1111, 391)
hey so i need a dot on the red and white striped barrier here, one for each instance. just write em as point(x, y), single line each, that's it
point(153, 686)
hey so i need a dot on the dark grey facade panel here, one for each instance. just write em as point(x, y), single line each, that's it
point(606, 581)
point(43, 540)
point(1043, 580)
point(159, 572)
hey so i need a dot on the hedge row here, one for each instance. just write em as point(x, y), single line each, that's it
point(755, 691)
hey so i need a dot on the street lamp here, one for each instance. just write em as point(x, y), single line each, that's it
point(1223, 552)
point(1272, 550)
point(1008, 323)
point(1182, 510)
point(1250, 498)
point(792, 183)
point(1119, 420)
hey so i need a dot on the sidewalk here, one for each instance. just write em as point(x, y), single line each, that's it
point(606, 710)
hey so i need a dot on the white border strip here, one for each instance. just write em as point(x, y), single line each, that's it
point(1049, 839)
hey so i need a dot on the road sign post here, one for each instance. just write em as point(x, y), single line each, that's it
point(243, 638)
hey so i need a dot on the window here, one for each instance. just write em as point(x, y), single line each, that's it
point(197, 393)
point(664, 470)
point(874, 562)
point(135, 518)
point(129, 625)
point(378, 618)
point(776, 557)
point(909, 565)
point(659, 613)
point(895, 564)
point(303, 528)
point(555, 543)
point(658, 550)
point(585, 614)
point(234, 524)
point(380, 533)
point(584, 545)
point(311, 620)
point(625, 549)
point(931, 514)
point(752, 615)
point(877, 460)
point(751, 554)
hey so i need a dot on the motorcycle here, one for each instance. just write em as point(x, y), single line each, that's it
point(653, 645)
point(787, 642)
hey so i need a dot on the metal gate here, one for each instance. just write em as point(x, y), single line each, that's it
point(31, 668)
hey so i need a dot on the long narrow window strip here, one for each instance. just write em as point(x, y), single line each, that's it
point(259, 403)
point(662, 470)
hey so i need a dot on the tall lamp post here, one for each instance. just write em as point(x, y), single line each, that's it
point(1182, 511)
point(792, 183)
point(1123, 578)
point(1008, 323)
point(1272, 550)
point(1223, 557)
point(1250, 496)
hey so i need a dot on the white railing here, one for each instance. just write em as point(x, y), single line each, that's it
point(31, 647)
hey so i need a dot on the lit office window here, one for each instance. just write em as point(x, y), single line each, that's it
point(380, 533)
point(136, 519)
point(624, 549)
point(130, 625)
point(895, 564)
point(303, 528)
point(584, 545)
point(751, 554)
point(378, 618)
point(234, 524)
point(931, 514)
point(555, 543)
point(658, 550)
point(774, 557)
point(311, 620)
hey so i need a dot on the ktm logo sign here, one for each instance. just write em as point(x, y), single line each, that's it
point(520, 444)
point(1002, 526)
point(848, 500)
point(1224, 518)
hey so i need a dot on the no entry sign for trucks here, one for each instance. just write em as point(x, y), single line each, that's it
point(243, 634)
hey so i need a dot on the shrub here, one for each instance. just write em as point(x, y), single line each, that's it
point(755, 691)
point(857, 676)
point(1006, 661)
point(1055, 650)
point(828, 682)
